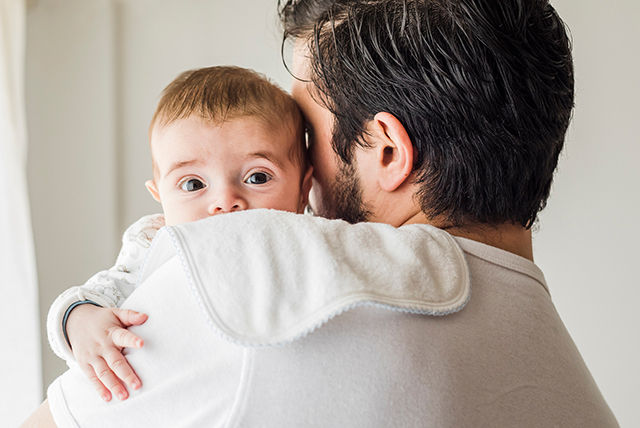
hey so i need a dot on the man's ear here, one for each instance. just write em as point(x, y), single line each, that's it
point(151, 187)
point(305, 188)
point(394, 151)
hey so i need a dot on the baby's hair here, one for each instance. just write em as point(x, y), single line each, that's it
point(222, 93)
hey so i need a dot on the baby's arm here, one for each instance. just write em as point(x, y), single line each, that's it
point(98, 329)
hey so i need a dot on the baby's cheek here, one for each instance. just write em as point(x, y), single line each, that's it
point(169, 215)
point(183, 212)
point(169, 218)
point(289, 201)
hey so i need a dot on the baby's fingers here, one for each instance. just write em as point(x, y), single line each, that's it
point(128, 317)
point(109, 379)
point(124, 338)
point(99, 386)
point(120, 366)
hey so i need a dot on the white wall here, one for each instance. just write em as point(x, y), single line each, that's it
point(71, 167)
point(94, 72)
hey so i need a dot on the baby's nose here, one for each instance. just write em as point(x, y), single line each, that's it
point(227, 203)
point(213, 210)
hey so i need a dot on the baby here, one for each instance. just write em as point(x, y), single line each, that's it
point(222, 139)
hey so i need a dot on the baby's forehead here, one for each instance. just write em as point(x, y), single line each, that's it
point(281, 142)
point(286, 129)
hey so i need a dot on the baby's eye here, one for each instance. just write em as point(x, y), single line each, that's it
point(258, 178)
point(192, 185)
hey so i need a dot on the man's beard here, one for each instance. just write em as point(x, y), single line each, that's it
point(345, 197)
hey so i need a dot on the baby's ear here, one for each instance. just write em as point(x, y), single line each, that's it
point(151, 187)
point(305, 188)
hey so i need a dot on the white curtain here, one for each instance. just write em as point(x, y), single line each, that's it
point(20, 359)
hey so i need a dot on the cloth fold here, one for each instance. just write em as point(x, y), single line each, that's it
point(415, 268)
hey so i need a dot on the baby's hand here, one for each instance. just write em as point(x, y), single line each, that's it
point(97, 336)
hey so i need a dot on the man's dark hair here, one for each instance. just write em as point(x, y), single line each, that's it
point(484, 89)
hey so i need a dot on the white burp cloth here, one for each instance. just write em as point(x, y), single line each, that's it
point(266, 277)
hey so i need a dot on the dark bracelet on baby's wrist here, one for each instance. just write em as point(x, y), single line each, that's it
point(65, 318)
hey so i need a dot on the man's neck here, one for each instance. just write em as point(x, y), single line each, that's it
point(509, 237)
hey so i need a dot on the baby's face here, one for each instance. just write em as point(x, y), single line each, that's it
point(204, 169)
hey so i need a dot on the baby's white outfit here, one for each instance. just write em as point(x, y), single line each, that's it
point(108, 288)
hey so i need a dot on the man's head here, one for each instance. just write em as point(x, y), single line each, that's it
point(226, 139)
point(482, 90)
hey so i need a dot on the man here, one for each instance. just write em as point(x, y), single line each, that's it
point(449, 113)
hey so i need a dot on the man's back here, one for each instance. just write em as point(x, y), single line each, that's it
point(505, 360)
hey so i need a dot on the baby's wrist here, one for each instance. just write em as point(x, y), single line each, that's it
point(67, 314)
